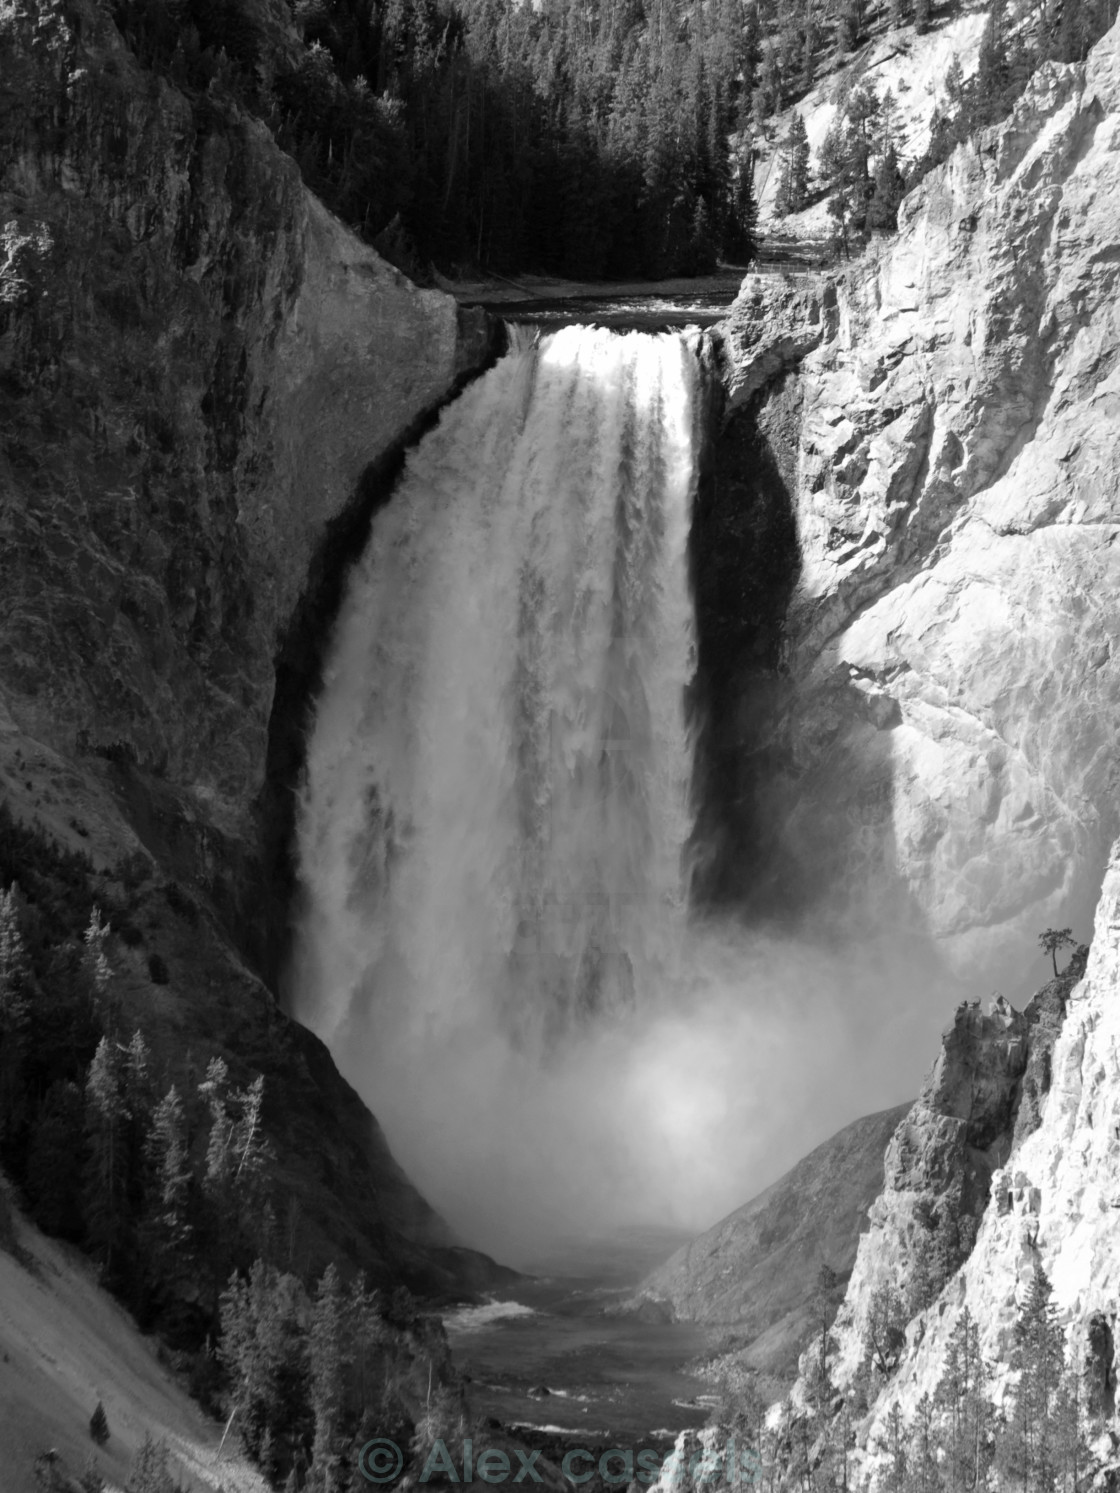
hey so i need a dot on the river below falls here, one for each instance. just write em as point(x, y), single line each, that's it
point(610, 1380)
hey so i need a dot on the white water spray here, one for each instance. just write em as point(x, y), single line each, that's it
point(492, 834)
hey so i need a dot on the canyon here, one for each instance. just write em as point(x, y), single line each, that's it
point(907, 601)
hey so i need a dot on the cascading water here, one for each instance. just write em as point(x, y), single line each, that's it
point(492, 834)
point(496, 807)
point(496, 803)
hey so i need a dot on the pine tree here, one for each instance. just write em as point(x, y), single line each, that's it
point(96, 959)
point(138, 1096)
point(99, 1425)
point(1025, 1451)
point(793, 186)
point(954, 85)
point(823, 1305)
point(235, 1173)
point(990, 90)
point(264, 1348)
point(328, 1352)
point(167, 1227)
point(368, 1334)
point(15, 1015)
point(1053, 940)
point(14, 970)
point(808, 51)
point(742, 237)
point(833, 152)
point(894, 1444)
point(889, 190)
point(963, 1401)
point(105, 1179)
point(922, 1472)
point(847, 27)
point(1070, 1448)
point(443, 1418)
point(770, 90)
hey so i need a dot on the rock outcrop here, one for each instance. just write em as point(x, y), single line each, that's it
point(939, 734)
point(201, 376)
point(756, 1270)
point(982, 1095)
point(1053, 1204)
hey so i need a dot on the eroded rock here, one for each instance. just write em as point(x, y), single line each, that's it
point(949, 694)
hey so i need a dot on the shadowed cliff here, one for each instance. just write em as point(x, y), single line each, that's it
point(198, 366)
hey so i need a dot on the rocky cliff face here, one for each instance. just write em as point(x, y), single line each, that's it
point(981, 1097)
point(202, 378)
point(1053, 1204)
point(756, 1270)
point(939, 732)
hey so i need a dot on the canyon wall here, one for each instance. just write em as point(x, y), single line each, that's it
point(940, 731)
point(938, 736)
point(205, 381)
point(1053, 1207)
point(981, 1099)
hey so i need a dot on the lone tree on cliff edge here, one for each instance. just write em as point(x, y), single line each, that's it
point(1054, 939)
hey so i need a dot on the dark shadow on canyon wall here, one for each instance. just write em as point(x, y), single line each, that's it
point(794, 810)
point(744, 562)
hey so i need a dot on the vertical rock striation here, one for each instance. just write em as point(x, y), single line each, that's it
point(940, 731)
point(1054, 1203)
point(945, 1162)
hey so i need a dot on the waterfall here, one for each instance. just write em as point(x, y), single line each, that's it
point(492, 830)
point(496, 804)
point(492, 833)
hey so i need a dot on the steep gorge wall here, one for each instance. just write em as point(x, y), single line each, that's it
point(947, 703)
point(198, 365)
point(944, 1163)
point(939, 733)
point(1053, 1207)
point(205, 381)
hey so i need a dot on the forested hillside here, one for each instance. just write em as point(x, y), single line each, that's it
point(583, 137)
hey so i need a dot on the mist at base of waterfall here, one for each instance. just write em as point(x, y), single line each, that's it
point(494, 837)
point(670, 1117)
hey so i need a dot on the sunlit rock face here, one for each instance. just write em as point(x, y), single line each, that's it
point(943, 748)
point(980, 1100)
point(1053, 1203)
